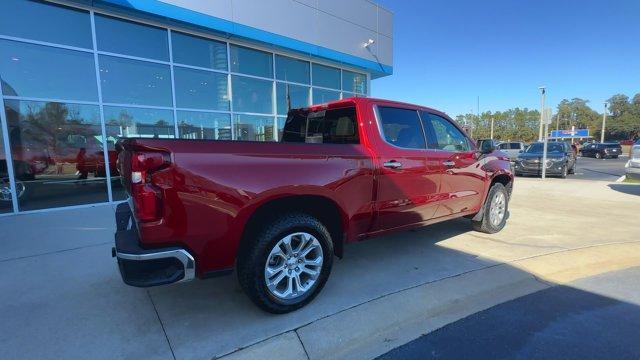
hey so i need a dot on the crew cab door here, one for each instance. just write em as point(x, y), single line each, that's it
point(407, 180)
point(463, 179)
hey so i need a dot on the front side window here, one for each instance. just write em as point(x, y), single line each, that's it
point(401, 127)
point(447, 135)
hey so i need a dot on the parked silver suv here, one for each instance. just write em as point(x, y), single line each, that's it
point(511, 148)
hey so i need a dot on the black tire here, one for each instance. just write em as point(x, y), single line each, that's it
point(251, 262)
point(485, 225)
point(598, 156)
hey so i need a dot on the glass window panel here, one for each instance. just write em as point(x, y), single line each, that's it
point(204, 126)
point(321, 96)
point(401, 127)
point(294, 70)
point(46, 22)
point(197, 51)
point(354, 82)
point(326, 76)
point(254, 128)
point(57, 152)
point(297, 95)
point(46, 72)
point(252, 95)
point(198, 89)
point(251, 61)
point(6, 201)
point(280, 122)
point(126, 81)
point(447, 135)
point(130, 38)
point(124, 122)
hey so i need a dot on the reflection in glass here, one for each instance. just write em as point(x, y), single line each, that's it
point(198, 89)
point(130, 38)
point(138, 122)
point(280, 122)
point(354, 82)
point(251, 61)
point(252, 95)
point(293, 70)
point(41, 21)
point(6, 201)
point(204, 125)
point(321, 96)
point(254, 128)
point(196, 51)
point(326, 76)
point(46, 72)
point(126, 81)
point(57, 152)
point(291, 97)
point(122, 122)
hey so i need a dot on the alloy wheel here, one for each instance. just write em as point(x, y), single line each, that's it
point(497, 210)
point(293, 266)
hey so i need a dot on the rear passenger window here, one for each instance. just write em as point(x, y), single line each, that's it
point(332, 126)
point(515, 146)
point(447, 135)
point(402, 128)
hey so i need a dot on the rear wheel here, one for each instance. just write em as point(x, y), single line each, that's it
point(287, 264)
point(495, 211)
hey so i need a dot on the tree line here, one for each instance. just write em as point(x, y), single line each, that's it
point(623, 120)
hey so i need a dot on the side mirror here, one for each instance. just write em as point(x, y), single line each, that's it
point(487, 147)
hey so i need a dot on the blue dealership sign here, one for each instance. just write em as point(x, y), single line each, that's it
point(576, 133)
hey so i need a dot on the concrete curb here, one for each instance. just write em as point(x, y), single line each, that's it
point(375, 327)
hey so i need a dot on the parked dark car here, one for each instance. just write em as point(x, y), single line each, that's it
point(602, 150)
point(561, 160)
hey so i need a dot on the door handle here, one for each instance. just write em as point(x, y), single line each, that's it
point(449, 163)
point(392, 164)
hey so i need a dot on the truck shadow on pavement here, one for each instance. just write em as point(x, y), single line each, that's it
point(631, 189)
point(215, 317)
point(561, 322)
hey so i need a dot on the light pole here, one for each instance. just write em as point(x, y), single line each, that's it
point(543, 91)
point(491, 128)
point(604, 123)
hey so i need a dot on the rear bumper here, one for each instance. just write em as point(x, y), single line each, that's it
point(147, 267)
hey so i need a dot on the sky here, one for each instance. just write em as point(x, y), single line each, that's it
point(449, 52)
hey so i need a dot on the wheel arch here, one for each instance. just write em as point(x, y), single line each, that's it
point(323, 208)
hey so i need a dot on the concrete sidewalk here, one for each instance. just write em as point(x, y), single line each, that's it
point(61, 295)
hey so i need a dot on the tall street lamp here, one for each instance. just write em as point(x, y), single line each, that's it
point(543, 91)
point(604, 123)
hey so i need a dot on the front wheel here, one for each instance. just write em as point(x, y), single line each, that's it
point(598, 156)
point(287, 264)
point(495, 211)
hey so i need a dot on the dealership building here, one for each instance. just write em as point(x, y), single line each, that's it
point(78, 75)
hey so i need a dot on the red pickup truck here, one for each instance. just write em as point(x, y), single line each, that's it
point(278, 212)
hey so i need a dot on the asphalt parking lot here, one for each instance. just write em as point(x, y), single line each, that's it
point(571, 321)
point(61, 295)
point(599, 169)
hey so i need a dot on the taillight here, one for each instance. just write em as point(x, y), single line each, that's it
point(147, 198)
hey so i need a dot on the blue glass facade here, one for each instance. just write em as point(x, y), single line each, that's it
point(75, 80)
